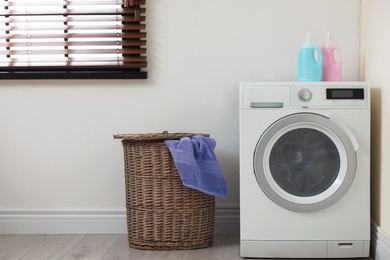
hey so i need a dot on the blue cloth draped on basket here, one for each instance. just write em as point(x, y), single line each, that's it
point(197, 164)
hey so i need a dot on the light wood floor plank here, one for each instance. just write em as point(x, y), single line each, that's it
point(20, 245)
point(54, 247)
point(4, 238)
point(215, 252)
point(122, 251)
point(169, 255)
point(232, 248)
point(92, 247)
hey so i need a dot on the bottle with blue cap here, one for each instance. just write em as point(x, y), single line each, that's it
point(310, 61)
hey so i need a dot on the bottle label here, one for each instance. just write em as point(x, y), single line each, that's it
point(310, 64)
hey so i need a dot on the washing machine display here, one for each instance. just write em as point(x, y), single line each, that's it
point(305, 169)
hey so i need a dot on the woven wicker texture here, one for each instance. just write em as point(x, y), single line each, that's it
point(162, 214)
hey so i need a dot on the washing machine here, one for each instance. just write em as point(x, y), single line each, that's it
point(304, 169)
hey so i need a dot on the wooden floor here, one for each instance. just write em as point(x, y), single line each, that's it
point(105, 247)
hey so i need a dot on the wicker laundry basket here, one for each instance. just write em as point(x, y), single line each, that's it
point(162, 214)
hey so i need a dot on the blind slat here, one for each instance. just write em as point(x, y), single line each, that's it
point(83, 26)
point(100, 11)
point(70, 2)
point(75, 52)
point(53, 59)
point(68, 19)
point(32, 36)
point(75, 44)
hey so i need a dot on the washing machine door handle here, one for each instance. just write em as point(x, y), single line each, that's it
point(348, 131)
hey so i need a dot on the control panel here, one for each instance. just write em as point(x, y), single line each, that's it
point(328, 96)
point(321, 95)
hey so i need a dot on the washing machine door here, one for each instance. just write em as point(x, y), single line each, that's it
point(305, 162)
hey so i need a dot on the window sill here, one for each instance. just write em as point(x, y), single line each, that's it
point(93, 74)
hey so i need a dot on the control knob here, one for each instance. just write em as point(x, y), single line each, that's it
point(305, 95)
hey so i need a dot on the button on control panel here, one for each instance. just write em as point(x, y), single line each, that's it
point(305, 95)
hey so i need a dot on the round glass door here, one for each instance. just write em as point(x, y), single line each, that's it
point(304, 162)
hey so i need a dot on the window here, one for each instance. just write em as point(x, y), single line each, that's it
point(72, 39)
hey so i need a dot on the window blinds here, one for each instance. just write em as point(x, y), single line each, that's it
point(73, 35)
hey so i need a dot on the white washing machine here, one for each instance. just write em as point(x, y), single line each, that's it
point(305, 169)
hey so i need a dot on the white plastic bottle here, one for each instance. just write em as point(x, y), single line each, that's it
point(332, 62)
point(310, 61)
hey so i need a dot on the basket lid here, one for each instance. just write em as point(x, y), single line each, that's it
point(155, 137)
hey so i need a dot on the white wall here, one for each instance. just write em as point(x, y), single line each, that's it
point(56, 146)
point(375, 54)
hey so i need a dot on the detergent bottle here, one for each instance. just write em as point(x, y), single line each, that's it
point(310, 61)
point(332, 63)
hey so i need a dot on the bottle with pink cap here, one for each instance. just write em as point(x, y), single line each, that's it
point(331, 63)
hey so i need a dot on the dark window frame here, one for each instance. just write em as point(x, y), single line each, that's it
point(130, 63)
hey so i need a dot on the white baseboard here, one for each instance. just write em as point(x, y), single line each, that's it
point(62, 222)
point(380, 243)
point(91, 222)
point(227, 221)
